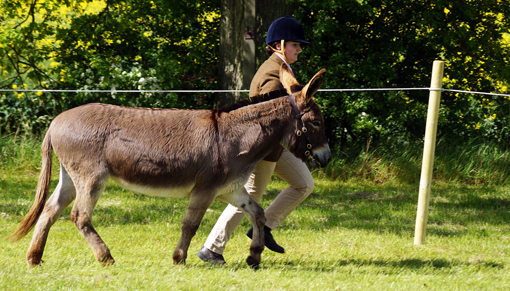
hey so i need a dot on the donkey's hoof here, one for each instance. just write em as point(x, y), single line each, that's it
point(179, 261)
point(108, 262)
point(31, 264)
point(252, 263)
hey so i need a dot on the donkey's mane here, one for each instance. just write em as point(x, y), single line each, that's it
point(257, 99)
point(253, 100)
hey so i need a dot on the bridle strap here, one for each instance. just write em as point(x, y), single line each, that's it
point(298, 116)
point(294, 106)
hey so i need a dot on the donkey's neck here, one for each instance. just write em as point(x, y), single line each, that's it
point(277, 110)
point(280, 106)
point(263, 125)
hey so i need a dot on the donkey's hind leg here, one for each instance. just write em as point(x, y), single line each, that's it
point(64, 194)
point(242, 200)
point(88, 193)
point(198, 204)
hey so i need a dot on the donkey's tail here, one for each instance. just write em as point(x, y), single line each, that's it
point(42, 192)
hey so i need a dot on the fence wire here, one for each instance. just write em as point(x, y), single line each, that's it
point(247, 91)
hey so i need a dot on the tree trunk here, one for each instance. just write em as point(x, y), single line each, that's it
point(268, 11)
point(231, 51)
point(250, 67)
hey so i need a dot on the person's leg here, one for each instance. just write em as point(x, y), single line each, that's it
point(231, 217)
point(296, 173)
point(293, 171)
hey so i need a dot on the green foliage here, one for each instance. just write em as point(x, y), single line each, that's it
point(373, 44)
point(24, 112)
point(474, 162)
point(160, 44)
point(112, 45)
point(141, 45)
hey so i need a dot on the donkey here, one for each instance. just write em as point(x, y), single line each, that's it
point(200, 154)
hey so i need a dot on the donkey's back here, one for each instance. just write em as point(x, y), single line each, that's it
point(160, 152)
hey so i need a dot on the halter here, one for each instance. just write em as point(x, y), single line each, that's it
point(303, 132)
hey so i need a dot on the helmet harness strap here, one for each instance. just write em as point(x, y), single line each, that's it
point(281, 54)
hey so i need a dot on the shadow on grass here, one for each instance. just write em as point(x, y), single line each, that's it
point(389, 266)
point(393, 209)
point(17, 198)
point(374, 207)
point(386, 266)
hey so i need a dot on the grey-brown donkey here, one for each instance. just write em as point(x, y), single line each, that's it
point(200, 154)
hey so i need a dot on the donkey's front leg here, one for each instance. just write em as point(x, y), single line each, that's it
point(242, 200)
point(198, 204)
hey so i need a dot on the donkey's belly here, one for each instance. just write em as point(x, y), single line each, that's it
point(235, 185)
point(175, 192)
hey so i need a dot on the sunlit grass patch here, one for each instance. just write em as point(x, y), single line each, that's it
point(352, 234)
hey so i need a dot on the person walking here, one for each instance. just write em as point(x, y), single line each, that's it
point(285, 37)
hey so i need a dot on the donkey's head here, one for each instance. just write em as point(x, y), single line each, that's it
point(307, 139)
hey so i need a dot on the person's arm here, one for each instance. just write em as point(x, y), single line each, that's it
point(270, 84)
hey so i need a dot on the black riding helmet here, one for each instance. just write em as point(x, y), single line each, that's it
point(286, 28)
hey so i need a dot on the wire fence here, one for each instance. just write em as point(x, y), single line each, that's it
point(247, 91)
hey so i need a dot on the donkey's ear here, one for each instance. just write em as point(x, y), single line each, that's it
point(314, 85)
point(286, 78)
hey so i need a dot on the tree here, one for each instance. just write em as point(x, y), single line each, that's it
point(268, 11)
point(230, 66)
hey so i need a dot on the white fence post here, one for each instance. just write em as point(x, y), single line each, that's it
point(429, 148)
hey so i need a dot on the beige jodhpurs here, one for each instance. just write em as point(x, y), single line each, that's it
point(292, 170)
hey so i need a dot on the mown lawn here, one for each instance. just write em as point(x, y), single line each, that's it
point(345, 236)
point(355, 232)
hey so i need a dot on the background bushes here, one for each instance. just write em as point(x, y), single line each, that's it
point(154, 45)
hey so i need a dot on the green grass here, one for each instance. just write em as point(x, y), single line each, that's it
point(350, 234)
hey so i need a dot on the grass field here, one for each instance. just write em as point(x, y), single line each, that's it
point(350, 234)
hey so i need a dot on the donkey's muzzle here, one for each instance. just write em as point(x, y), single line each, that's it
point(321, 156)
